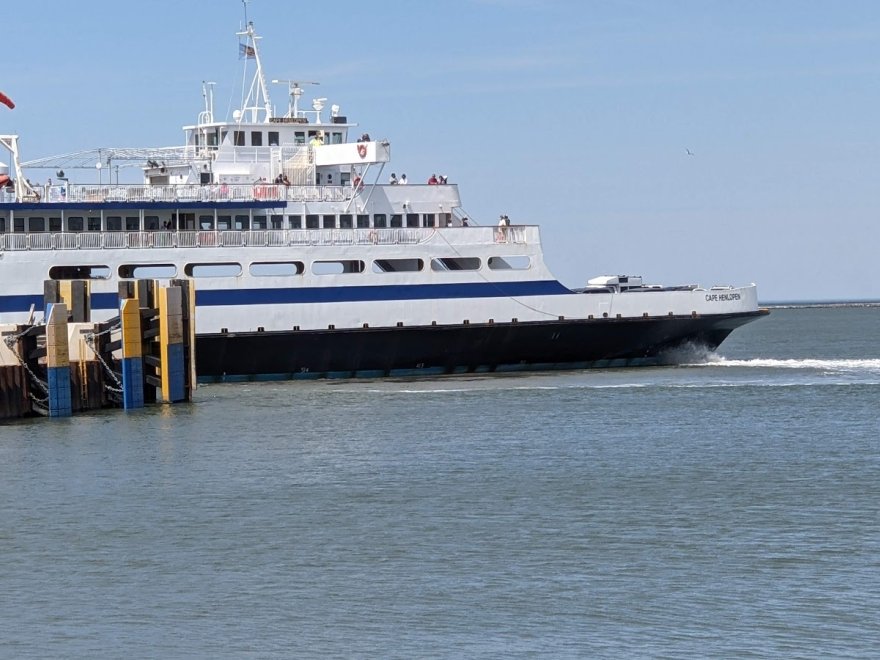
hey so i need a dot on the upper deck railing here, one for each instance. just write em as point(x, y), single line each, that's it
point(187, 193)
point(115, 240)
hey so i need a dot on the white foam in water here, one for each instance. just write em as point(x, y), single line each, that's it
point(851, 365)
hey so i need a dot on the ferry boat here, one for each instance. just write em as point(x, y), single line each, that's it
point(309, 260)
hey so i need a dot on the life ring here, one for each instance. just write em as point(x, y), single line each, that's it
point(362, 150)
point(357, 184)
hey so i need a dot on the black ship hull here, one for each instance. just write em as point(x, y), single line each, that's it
point(451, 349)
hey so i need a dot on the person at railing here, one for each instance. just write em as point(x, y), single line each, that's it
point(393, 180)
point(433, 180)
point(501, 233)
point(403, 179)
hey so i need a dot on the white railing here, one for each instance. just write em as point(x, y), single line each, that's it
point(196, 193)
point(116, 240)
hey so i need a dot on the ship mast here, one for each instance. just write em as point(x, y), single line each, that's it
point(257, 99)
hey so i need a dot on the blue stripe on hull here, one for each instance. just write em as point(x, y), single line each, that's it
point(328, 294)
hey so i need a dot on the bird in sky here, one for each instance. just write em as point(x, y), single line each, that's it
point(689, 152)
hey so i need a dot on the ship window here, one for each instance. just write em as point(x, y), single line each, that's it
point(18, 224)
point(223, 135)
point(75, 223)
point(295, 221)
point(363, 221)
point(242, 222)
point(212, 139)
point(147, 271)
point(515, 262)
point(213, 270)
point(337, 267)
point(2, 225)
point(311, 221)
point(273, 139)
point(336, 138)
point(79, 273)
point(277, 222)
point(455, 263)
point(94, 224)
point(412, 219)
point(54, 224)
point(256, 138)
point(300, 137)
point(396, 220)
point(329, 222)
point(345, 221)
point(259, 222)
point(239, 138)
point(380, 220)
point(206, 222)
point(428, 220)
point(114, 223)
point(151, 223)
point(36, 225)
point(132, 224)
point(224, 222)
point(398, 265)
point(277, 268)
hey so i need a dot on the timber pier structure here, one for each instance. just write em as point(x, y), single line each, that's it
point(66, 364)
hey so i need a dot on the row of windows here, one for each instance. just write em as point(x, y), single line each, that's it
point(271, 138)
point(187, 222)
point(284, 268)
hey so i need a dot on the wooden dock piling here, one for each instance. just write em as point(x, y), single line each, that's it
point(67, 364)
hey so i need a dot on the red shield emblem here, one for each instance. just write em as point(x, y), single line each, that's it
point(362, 150)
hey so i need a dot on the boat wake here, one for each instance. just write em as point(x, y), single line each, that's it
point(823, 365)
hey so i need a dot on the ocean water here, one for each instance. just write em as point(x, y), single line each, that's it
point(729, 507)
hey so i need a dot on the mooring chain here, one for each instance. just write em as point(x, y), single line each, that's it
point(10, 342)
point(90, 340)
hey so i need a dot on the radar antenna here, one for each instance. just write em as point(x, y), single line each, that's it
point(295, 90)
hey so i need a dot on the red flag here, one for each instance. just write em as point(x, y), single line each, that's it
point(6, 100)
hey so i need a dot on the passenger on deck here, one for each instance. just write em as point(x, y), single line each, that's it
point(503, 224)
point(433, 181)
point(393, 180)
point(403, 179)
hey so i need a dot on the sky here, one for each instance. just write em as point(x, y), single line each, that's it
point(686, 141)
